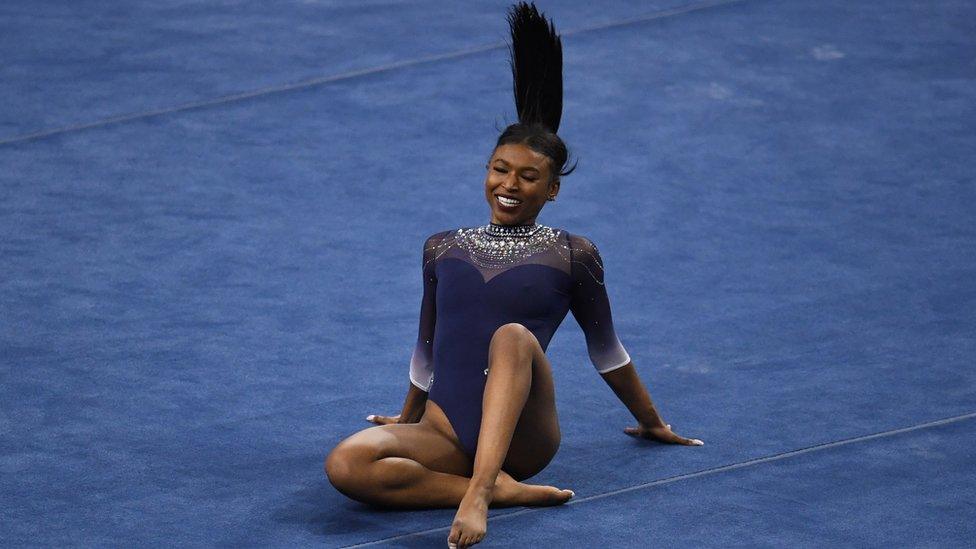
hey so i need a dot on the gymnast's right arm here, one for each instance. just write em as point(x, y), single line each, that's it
point(422, 361)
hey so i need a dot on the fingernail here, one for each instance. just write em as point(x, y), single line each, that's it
point(699, 443)
point(370, 417)
point(572, 494)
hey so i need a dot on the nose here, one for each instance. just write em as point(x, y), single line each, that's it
point(511, 181)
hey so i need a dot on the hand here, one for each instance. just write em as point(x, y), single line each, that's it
point(662, 433)
point(383, 420)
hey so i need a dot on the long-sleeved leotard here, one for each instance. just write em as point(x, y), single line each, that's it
point(477, 279)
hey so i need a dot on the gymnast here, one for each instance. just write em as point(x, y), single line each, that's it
point(479, 416)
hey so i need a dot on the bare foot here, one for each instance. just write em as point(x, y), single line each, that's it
point(471, 521)
point(509, 491)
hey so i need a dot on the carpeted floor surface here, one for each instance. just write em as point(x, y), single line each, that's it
point(211, 223)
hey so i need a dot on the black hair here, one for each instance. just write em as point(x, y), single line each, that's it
point(536, 58)
point(540, 139)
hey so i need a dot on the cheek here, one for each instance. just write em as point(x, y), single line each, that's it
point(490, 183)
point(494, 178)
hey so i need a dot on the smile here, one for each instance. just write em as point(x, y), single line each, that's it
point(510, 202)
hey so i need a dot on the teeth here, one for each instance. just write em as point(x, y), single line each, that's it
point(508, 201)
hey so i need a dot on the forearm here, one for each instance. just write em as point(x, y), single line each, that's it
point(626, 384)
point(413, 405)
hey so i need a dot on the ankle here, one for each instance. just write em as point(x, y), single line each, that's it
point(480, 487)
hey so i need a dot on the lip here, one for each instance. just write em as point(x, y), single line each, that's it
point(505, 207)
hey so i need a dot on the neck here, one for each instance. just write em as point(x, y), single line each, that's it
point(494, 221)
point(523, 224)
point(512, 229)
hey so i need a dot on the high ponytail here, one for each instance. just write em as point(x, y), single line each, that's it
point(536, 59)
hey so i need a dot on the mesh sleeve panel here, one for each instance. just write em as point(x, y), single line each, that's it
point(422, 360)
point(590, 306)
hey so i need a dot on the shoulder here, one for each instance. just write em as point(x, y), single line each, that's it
point(437, 243)
point(586, 263)
point(438, 237)
point(581, 244)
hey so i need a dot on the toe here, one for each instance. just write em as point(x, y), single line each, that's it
point(453, 539)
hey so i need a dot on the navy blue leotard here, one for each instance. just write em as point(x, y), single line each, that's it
point(479, 278)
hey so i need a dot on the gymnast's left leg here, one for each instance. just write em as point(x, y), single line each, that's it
point(519, 428)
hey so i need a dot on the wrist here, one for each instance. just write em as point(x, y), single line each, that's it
point(411, 415)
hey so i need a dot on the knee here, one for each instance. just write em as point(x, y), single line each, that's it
point(513, 331)
point(345, 464)
point(512, 340)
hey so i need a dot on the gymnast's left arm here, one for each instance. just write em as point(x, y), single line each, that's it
point(590, 306)
point(626, 384)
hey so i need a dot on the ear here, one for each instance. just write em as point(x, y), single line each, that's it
point(554, 187)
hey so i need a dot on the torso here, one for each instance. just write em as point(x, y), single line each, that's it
point(489, 276)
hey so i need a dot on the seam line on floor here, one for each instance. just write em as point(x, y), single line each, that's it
point(321, 80)
point(704, 472)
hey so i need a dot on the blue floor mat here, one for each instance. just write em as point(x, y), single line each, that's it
point(197, 305)
point(854, 494)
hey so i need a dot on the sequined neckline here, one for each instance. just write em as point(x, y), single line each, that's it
point(498, 246)
point(516, 231)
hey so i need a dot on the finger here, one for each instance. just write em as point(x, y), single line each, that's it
point(632, 431)
point(691, 441)
point(380, 420)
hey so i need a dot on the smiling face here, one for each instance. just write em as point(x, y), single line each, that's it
point(517, 172)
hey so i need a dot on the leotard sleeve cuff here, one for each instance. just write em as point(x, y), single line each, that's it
point(614, 367)
point(423, 387)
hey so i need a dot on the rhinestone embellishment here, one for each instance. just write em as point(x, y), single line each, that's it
point(488, 247)
point(496, 246)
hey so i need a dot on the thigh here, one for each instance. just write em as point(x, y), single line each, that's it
point(421, 442)
point(536, 437)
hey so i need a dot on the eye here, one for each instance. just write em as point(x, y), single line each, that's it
point(500, 169)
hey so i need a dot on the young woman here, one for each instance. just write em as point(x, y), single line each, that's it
point(480, 415)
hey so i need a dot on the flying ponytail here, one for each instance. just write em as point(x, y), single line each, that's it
point(536, 59)
point(537, 67)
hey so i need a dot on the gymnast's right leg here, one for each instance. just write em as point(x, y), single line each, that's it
point(417, 465)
